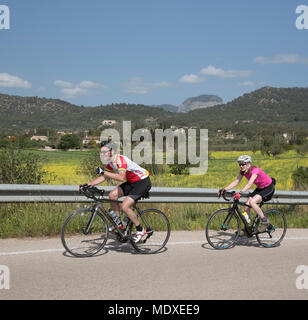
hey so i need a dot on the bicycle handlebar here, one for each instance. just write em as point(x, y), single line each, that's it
point(92, 192)
point(228, 195)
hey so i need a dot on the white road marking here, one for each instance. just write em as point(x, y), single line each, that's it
point(168, 244)
point(29, 251)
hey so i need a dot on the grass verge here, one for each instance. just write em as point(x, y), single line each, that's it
point(46, 219)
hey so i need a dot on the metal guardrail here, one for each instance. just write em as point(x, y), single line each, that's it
point(68, 193)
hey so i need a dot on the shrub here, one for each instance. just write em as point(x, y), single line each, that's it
point(22, 167)
point(89, 164)
point(300, 178)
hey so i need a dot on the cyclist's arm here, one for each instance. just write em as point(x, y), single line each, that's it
point(97, 180)
point(250, 183)
point(121, 176)
point(234, 183)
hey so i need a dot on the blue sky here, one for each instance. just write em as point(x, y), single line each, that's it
point(150, 52)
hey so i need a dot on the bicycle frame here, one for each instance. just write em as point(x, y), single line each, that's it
point(98, 207)
point(235, 209)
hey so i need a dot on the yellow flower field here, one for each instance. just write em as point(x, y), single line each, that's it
point(222, 169)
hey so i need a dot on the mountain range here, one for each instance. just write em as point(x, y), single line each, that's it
point(268, 107)
point(202, 101)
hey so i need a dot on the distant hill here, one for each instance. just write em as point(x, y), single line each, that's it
point(168, 107)
point(20, 113)
point(202, 101)
point(265, 108)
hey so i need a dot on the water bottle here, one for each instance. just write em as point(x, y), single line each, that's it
point(116, 219)
point(246, 216)
point(125, 221)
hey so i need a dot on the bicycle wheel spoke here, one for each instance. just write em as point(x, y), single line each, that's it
point(80, 243)
point(158, 231)
point(275, 232)
point(222, 229)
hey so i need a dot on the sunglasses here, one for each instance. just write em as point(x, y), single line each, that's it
point(242, 164)
point(105, 152)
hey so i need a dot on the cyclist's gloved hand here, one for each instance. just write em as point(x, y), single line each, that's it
point(237, 196)
point(81, 186)
point(99, 171)
point(220, 192)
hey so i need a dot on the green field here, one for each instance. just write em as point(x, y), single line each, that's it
point(222, 169)
point(45, 219)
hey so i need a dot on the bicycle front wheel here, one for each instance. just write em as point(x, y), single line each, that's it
point(158, 231)
point(275, 232)
point(84, 233)
point(222, 229)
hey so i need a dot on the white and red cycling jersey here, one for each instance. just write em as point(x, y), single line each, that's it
point(133, 171)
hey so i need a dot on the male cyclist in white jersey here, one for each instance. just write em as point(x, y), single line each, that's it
point(135, 183)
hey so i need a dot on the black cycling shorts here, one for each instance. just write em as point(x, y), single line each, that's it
point(266, 193)
point(137, 189)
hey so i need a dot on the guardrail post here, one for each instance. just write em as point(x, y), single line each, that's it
point(292, 207)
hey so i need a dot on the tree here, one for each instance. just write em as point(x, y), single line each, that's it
point(70, 141)
point(254, 146)
point(272, 145)
point(4, 142)
point(302, 149)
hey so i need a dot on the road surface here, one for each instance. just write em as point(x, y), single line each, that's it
point(188, 269)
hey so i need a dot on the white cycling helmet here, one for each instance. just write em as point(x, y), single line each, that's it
point(244, 158)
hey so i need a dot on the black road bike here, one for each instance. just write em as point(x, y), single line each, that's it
point(85, 232)
point(224, 225)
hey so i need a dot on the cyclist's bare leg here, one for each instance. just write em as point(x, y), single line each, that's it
point(127, 209)
point(254, 204)
point(115, 194)
point(247, 209)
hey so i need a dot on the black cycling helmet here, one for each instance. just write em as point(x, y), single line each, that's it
point(109, 144)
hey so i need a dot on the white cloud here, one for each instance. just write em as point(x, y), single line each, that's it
point(90, 84)
point(63, 84)
point(289, 58)
point(72, 92)
point(247, 84)
point(69, 90)
point(41, 89)
point(162, 84)
point(136, 86)
point(191, 78)
point(213, 71)
point(9, 81)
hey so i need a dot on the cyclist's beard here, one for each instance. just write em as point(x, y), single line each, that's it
point(106, 160)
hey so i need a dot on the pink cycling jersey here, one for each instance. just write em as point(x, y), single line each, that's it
point(133, 171)
point(262, 180)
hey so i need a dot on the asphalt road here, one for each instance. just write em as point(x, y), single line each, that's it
point(188, 269)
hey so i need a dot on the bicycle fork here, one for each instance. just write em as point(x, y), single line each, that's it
point(225, 224)
point(88, 227)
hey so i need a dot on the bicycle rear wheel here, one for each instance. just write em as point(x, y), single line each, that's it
point(275, 232)
point(84, 233)
point(222, 229)
point(158, 231)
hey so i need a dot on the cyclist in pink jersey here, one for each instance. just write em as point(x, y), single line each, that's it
point(135, 183)
point(264, 191)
